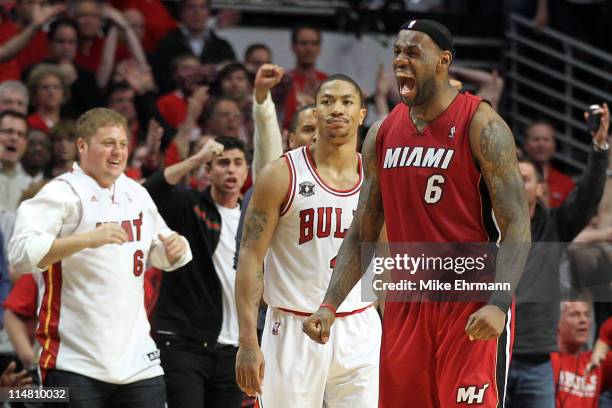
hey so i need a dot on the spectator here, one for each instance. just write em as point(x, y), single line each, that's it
point(88, 16)
point(63, 37)
point(13, 179)
point(14, 96)
point(540, 147)
point(234, 83)
point(575, 386)
point(256, 55)
point(113, 51)
point(223, 117)
point(488, 85)
point(530, 383)
point(187, 78)
point(64, 232)
point(37, 155)
point(63, 137)
point(20, 48)
point(36, 50)
point(49, 91)
point(196, 321)
point(305, 78)
point(121, 99)
point(157, 20)
point(193, 37)
point(20, 317)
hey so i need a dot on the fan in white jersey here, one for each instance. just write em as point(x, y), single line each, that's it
point(300, 210)
point(91, 232)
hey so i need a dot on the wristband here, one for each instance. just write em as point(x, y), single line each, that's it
point(329, 306)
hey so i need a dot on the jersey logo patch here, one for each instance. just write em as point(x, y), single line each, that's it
point(451, 133)
point(306, 189)
point(93, 199)
point(154, 355)
point(275, 328)
point(471, 395)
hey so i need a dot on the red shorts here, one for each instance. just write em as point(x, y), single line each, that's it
point(428, 361)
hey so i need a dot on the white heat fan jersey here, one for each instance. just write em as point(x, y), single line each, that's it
point(312, 225)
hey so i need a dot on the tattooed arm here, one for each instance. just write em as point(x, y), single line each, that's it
point(350, 264)
point(259, 225)
point(494, 149)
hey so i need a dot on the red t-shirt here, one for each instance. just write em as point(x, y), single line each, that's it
point(173, 107)
point(35, 121)
point(298, 83)
point(36, 51)
point(10, 69)
point(560, 185)
point(572, 388)
point(92, 59)
point(605, 332)
point(158, 21)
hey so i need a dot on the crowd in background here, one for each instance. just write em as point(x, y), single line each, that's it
point(179, 84)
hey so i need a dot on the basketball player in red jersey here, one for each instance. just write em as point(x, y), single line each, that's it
point(425, 164)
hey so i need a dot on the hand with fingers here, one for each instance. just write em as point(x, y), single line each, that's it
point(486, 323)
point(600, 136)
point(10, 378)
point(41, 15)
point(175, 247)
point(267, 77)
point(210, 151)
point(104, 234)
point(250, 367)
point(318, 325)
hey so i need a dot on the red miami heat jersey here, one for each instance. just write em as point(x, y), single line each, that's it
point(431, 188)
point(313, 222)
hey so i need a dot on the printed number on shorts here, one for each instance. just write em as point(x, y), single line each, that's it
point(433, 192)
point(138, 264)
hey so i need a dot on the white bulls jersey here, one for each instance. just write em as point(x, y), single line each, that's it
point(312, 225)
point(92, 319)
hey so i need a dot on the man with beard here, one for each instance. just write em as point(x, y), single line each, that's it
point(436, 354)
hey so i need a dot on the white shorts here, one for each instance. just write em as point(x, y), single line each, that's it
point(340, 374)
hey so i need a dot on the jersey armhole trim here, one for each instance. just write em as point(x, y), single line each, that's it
point(288, 200)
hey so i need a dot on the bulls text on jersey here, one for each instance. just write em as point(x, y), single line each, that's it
point(418, 156)
point(321, 222)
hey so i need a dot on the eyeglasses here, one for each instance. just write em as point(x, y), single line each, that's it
point(10, 132)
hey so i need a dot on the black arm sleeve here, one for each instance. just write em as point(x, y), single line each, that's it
point(167, 198)
point(581, 205)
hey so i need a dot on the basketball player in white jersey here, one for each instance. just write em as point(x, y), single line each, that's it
point(301, 209)
point(91, 232)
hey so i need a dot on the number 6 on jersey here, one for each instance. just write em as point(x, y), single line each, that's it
point(433, 192)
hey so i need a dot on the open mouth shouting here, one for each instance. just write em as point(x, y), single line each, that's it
point(406, 84)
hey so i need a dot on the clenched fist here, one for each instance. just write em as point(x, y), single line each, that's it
point(175, 247)
point(486, 323)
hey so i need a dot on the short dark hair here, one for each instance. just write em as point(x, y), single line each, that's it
point(296, 117)
point(341, 77)
point(304, 26)
point(257, 46)
point(539, 121)
point(117, 87)
point(61, 22)
point(182, 3)
point(539, 173)
point(231, 143)
point(229, 69)
point(9, 113)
